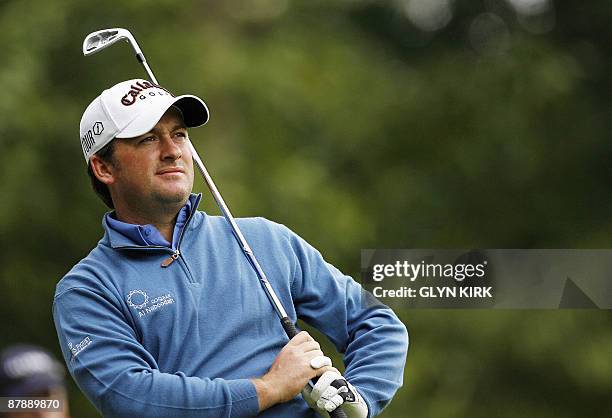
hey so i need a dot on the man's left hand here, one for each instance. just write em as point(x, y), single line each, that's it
point(332, 391)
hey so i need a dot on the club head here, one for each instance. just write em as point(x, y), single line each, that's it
point(99, 40)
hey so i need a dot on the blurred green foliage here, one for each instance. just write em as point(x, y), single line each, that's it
point(357, 128)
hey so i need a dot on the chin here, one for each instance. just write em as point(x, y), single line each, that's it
point(173, 196)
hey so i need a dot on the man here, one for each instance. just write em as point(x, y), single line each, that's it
point(165, 317)
point(31, 372)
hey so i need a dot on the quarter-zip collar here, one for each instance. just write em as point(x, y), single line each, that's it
point(118, 240)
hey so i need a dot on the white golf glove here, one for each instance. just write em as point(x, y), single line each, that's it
point(332, 391)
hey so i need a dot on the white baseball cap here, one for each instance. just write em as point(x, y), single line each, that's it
point(132, 108)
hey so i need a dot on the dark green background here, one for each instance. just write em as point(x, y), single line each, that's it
point(354, 126)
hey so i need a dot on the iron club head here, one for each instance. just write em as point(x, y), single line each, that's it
point(99, 40)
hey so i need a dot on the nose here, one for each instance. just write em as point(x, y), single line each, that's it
point(170, 150)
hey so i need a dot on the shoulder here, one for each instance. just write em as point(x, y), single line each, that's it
point(256, 226)
point(89, 272)
point(263, 225)
point(263, 235)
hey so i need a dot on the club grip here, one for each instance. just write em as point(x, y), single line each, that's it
point(292, 331)
point(337, 413)
point(289, 327)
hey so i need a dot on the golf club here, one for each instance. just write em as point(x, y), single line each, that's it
point(96, 41)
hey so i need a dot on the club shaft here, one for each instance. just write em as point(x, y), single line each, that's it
point(141, 58)
point(276, 303)
point(274, 300)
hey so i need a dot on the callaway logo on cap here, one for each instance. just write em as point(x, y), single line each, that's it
point(132, 108)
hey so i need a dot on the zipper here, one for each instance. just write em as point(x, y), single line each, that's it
point(178, 244)
point(171, 259)
point(176, 254)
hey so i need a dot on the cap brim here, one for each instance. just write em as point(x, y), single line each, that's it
point(194, 110)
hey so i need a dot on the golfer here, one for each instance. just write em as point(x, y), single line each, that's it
point(165, 317)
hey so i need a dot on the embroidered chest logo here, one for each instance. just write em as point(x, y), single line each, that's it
point(139, 300)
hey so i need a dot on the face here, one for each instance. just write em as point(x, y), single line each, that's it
point(153, 171)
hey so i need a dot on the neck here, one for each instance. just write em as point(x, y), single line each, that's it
point(164, 219)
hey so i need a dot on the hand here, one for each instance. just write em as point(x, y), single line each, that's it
point(298, 362)
point(331, 392)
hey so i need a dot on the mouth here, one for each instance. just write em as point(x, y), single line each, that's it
point(170, 170)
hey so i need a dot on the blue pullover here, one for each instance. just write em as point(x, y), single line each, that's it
point(142, 340)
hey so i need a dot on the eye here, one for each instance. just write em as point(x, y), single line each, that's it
point(180, 134)
point(149, 138)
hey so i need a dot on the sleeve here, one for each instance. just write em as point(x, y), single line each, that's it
point(122, 379)
point(373, 339)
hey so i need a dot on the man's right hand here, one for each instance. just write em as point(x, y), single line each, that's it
point(291, 371)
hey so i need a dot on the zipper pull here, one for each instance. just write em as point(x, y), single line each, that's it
point(170, 259)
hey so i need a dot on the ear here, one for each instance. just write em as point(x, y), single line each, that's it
point(103, 170)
